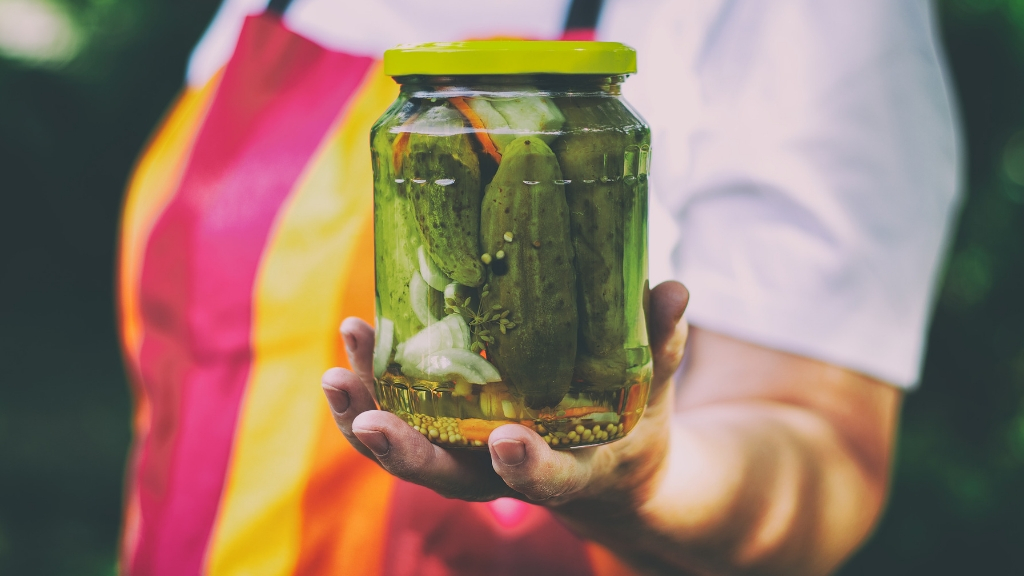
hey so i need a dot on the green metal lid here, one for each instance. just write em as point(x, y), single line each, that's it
point(510, 57)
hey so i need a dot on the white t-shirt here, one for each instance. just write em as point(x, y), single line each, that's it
point(805, 154)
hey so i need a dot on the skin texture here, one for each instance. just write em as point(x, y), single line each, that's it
point(754, 461)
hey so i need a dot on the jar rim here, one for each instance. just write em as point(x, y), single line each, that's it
point(501, 57)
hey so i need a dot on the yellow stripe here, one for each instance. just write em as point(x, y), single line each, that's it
point(296, 313)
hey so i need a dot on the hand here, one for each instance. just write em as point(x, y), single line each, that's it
point(519, 463)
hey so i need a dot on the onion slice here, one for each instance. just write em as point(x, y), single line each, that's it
point(382, 349)
point(431, 274)
point(447, 334)
point(497, 126)
point(460, 331)
point(530, 115)
point(419, 299)
point(455, 364)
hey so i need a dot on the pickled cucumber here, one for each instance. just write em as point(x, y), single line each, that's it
point(396, 237)
point(534, 279)
point(591, 162)
point(601, 373)
point(444, 172)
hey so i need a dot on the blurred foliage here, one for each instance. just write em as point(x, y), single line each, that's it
point(68, 137)
point(70, 131)
point(957, 506)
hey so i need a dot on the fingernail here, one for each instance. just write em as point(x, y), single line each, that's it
point(510, 452)
point(376, 441)
point(338, 399)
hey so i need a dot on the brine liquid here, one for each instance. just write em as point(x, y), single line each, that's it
point(463, 415)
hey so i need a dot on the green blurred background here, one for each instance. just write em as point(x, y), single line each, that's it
point(81, 92)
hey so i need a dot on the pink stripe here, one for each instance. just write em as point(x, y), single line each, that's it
point(429, 535)
point(579, 34)
point(279, 96)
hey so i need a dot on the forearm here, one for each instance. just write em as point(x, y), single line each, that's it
point(776, 464)
point(755, 486)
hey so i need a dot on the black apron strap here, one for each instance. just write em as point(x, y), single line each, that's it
point(583, 15)
point(278, 6)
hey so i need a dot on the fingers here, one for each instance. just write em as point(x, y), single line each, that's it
point(521, 463)
point(407, 454)
point(530, 467)
point(667, 330)
point(358, 337)
point(348, 398)
point(403, 451)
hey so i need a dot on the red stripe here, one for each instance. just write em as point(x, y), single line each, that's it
point(279, 96)
point(429, 535)
point(579, 34)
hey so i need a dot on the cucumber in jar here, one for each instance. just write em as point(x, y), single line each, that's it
point(602, 207)
point(444, 172)
point(531, 276)
point(396, 234)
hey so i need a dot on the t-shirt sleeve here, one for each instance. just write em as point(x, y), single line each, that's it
point(806, 157)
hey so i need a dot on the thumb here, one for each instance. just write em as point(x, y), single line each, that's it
point(667, 332)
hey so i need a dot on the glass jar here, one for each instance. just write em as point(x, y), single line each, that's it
point(510, 222)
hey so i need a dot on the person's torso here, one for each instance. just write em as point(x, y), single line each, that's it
point(246, 238)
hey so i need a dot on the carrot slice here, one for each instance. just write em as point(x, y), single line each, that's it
point(581, 411)
point(637, 398)
point(476, 429)
point(398, 150)
point(485, 140)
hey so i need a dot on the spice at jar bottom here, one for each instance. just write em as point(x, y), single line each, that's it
point(510, 229)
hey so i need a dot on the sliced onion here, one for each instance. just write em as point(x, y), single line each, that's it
point(460, 331)
point(382, 349)
point(447, 334)
point(465, 358)
point(420, 299)
point(531, 115)
point(452, 291)
point(439, 367)
point(431, 274)
point(453, 364)
point(497, 126)
point(437, 336)
point(444, 365)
